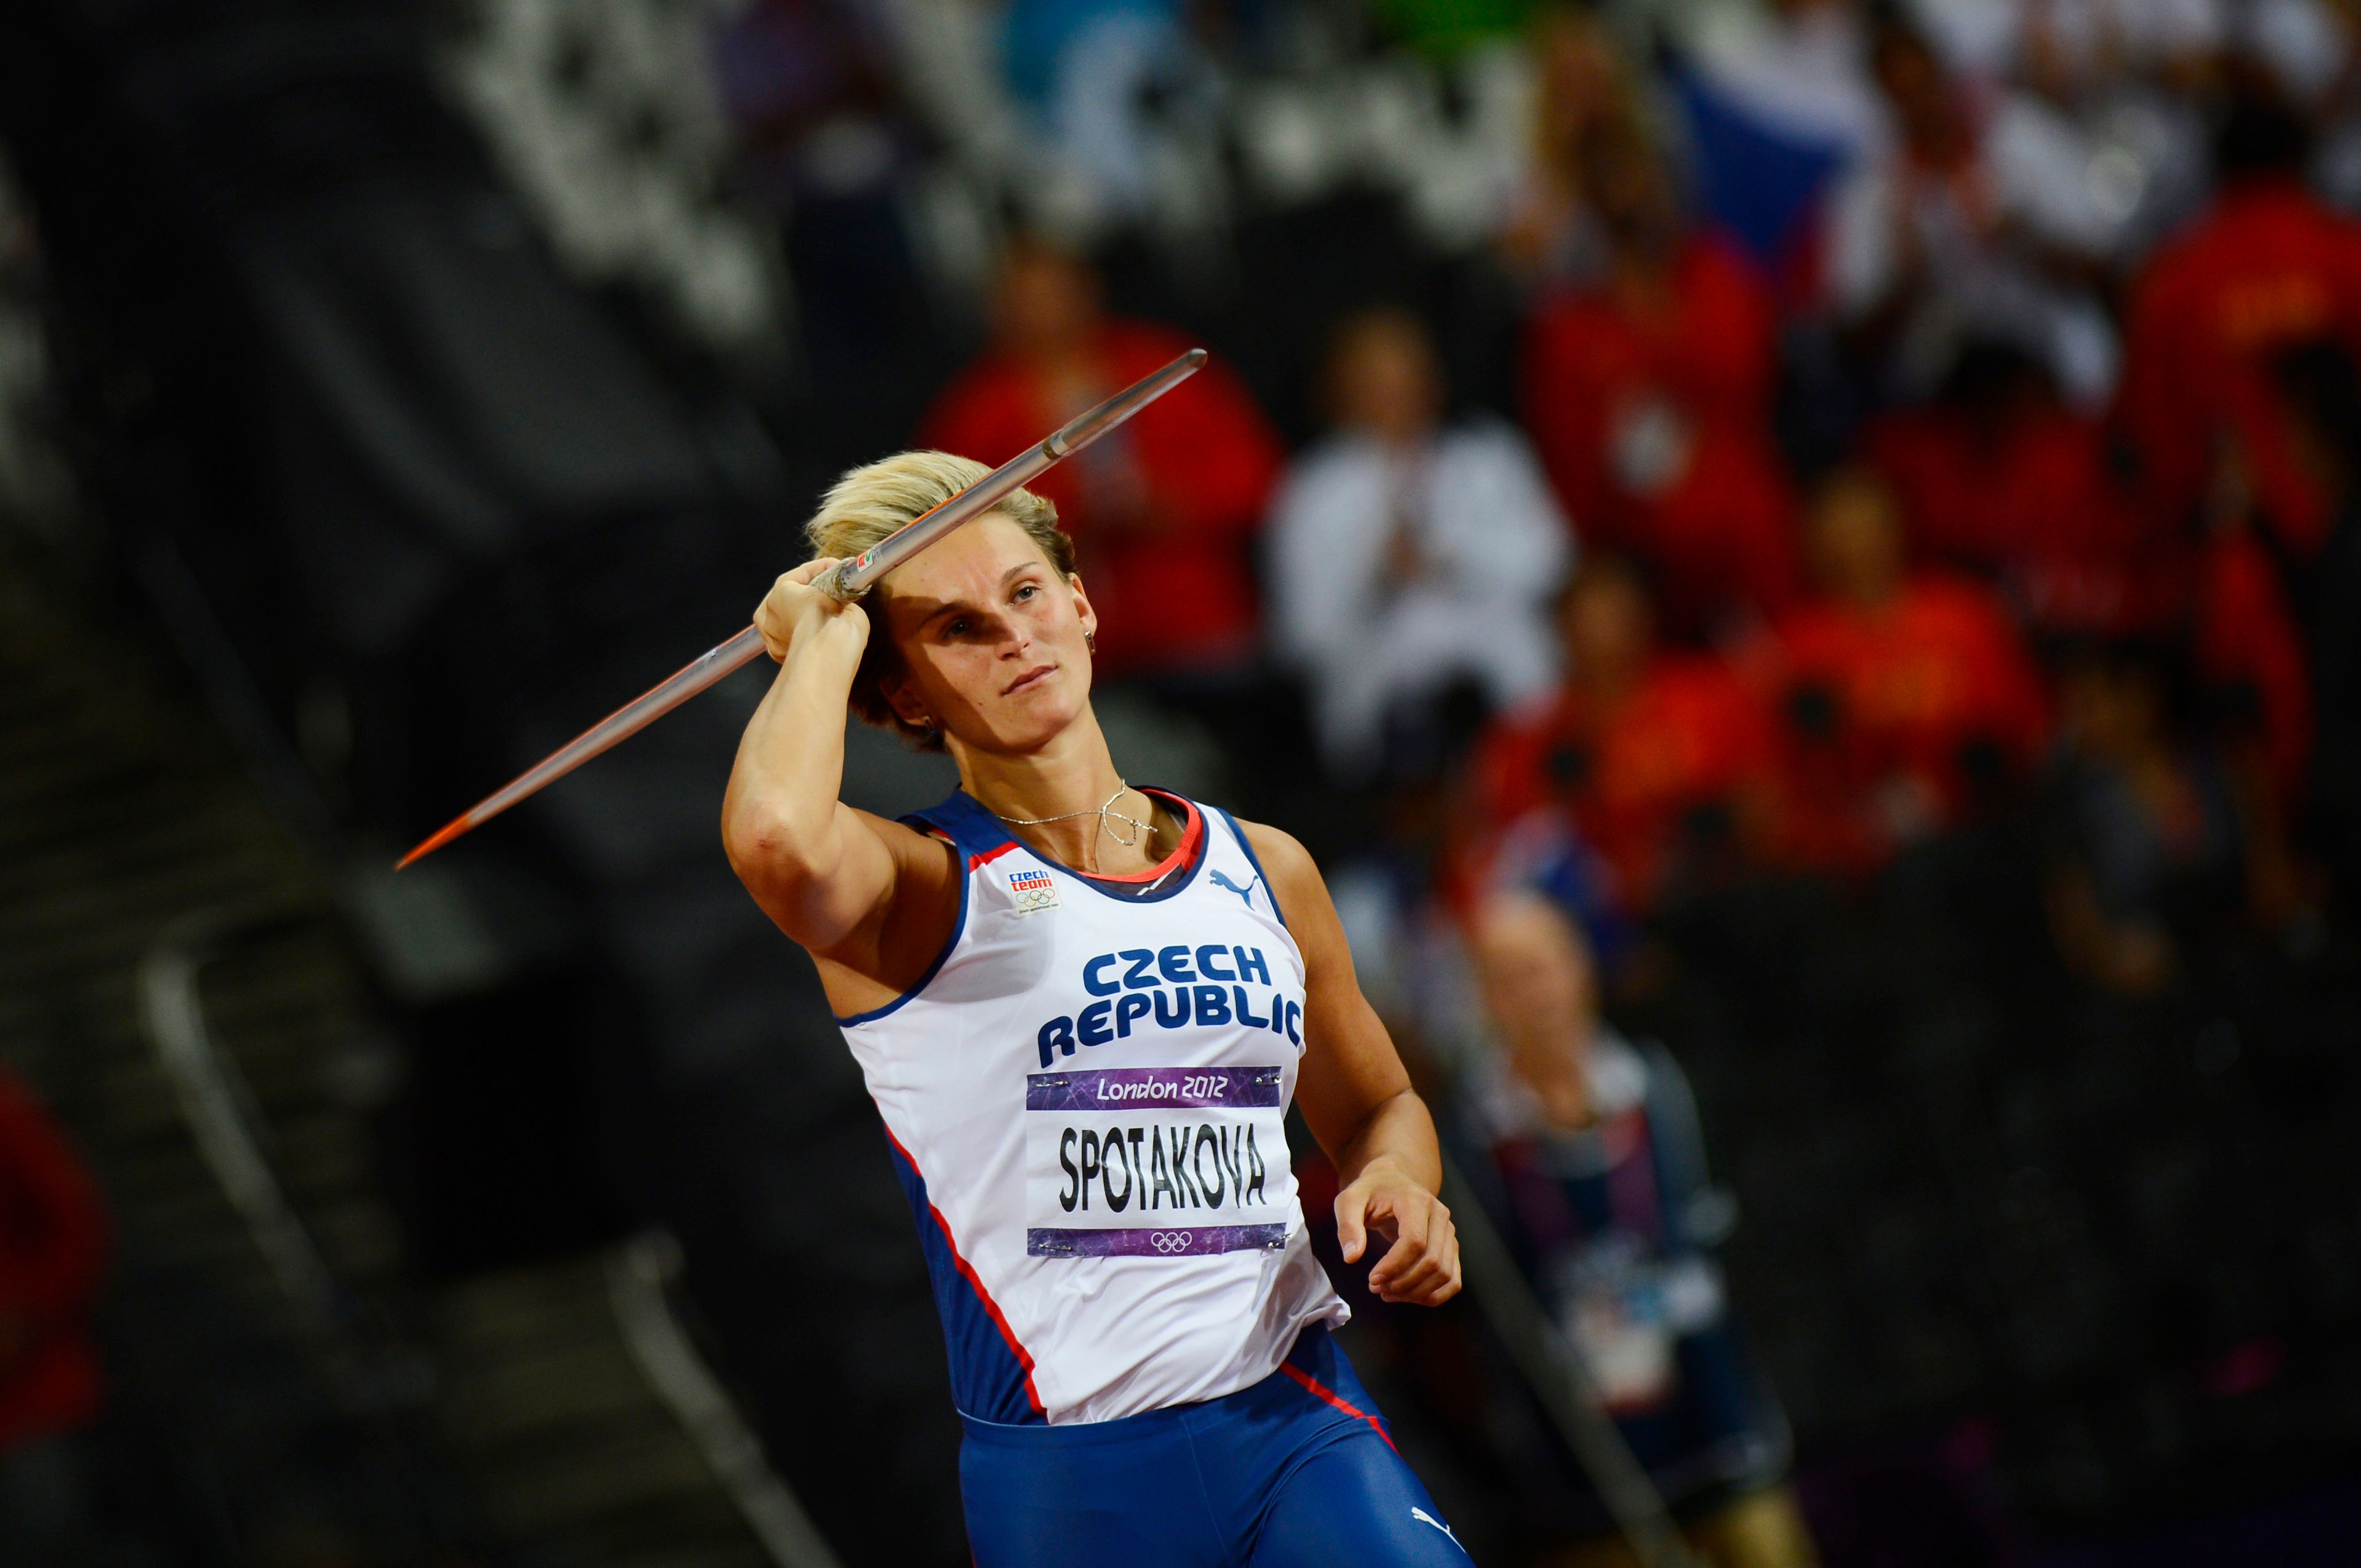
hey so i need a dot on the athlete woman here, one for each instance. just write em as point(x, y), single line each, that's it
point(1083, 1010)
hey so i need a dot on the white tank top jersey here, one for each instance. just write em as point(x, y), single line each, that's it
point(1086, 1097)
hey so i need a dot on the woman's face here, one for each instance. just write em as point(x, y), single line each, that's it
point(992, 640)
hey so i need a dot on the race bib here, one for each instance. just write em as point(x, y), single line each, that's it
point(1155, 1161)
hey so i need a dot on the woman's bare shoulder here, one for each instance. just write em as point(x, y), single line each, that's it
point(886, 954)
point(904, 842)
point(927, 868)
point(1282, 855)
point(1296, 884)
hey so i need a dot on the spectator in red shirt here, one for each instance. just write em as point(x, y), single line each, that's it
point(1906, 696)
point(1656, 754)
point(1161, 511)
point(2271, 267)
point(52, 1250)
point(1999, 476)
point(2249, 660)
point(1649, 395)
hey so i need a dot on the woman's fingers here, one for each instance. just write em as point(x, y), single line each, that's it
point(1409, 1282)
point(1422, 1266)
point(1430, 1284)
point(1353, 1222)
point(1445, 1288)
point(1408, 1253)
point(1421, 1272)
point(1402, 1257)
point(790, 597)
point(776, 634)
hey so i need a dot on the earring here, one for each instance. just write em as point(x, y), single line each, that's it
point(1090, 640)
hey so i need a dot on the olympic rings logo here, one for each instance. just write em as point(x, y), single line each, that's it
point(1169, 1241)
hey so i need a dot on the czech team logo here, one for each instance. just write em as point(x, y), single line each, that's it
point(1034, 890)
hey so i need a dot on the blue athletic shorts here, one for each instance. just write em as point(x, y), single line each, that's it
point(1296, 1472)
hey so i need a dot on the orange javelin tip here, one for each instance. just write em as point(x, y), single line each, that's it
point(442, 836)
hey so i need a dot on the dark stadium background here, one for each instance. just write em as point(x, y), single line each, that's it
point(387, 390)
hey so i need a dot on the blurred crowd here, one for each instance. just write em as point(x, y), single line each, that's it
point(1914, 407)
point(1916, 404)
point(2010, 457)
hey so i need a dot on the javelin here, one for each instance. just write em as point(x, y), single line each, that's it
point(847, 580)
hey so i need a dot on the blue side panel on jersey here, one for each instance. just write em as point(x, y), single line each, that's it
point(1255, 860)
point(963, 820)
point(987, 1380)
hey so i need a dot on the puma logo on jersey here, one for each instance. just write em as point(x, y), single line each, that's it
point(1423, 1517)
point(1227, 886)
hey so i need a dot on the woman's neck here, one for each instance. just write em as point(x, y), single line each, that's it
point(1052, 800)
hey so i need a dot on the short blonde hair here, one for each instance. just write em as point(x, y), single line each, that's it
point(869, 504)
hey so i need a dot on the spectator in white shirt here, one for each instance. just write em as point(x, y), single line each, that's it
point(1410, 560)
point(1973, 226)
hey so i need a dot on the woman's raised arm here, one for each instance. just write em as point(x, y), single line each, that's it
point(826, 874)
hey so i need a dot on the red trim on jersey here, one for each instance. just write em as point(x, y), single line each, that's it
point(1321, 1391)
point(989, 856)
point(967, 1272)
point(1192, 838)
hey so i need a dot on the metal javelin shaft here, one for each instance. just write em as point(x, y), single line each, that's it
point(848, 580)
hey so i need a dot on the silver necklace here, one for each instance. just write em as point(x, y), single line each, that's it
point(1102, 812)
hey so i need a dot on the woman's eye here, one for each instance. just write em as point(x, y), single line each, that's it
point(1027, 592)
point(956, 628)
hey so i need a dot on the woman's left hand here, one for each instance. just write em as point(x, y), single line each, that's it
point(1421, 1268)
